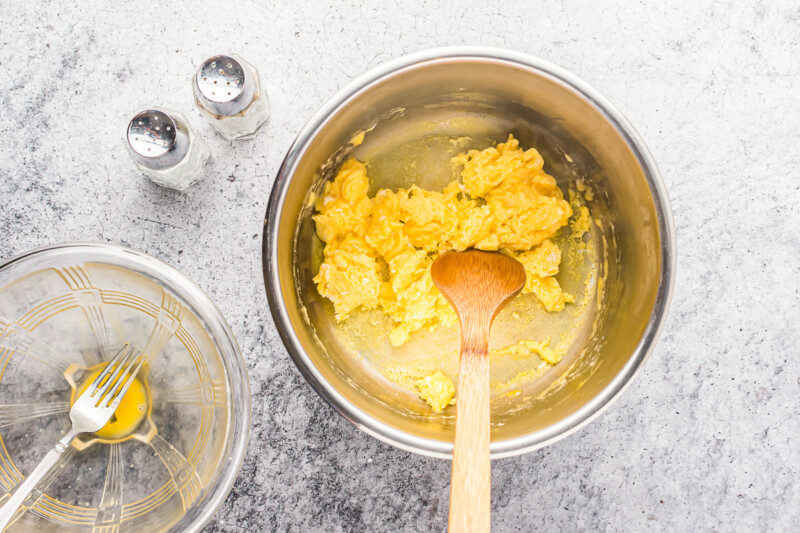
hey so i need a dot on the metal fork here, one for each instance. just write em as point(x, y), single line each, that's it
point(90, 412)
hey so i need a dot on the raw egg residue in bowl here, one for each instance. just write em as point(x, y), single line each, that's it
point(130, 413)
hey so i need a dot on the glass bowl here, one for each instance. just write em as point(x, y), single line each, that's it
point(64, 310)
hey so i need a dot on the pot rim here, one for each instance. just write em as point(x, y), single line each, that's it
point(610, 392)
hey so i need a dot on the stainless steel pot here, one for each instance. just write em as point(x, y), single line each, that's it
point(580, 134)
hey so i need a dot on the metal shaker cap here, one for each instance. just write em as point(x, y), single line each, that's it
point(156, 139)
point(224, 85)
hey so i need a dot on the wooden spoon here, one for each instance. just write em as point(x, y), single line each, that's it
point(477, 284)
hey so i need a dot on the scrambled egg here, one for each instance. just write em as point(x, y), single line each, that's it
point(378, 251)
point(526, 348)
point(437, 389)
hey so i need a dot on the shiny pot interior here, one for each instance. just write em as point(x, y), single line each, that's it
point(580, 135)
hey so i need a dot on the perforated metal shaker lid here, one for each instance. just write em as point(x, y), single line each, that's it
point(157, 139)
point(224, 85)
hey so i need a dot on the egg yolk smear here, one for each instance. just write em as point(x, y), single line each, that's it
point(130, 412)
point(378, 251)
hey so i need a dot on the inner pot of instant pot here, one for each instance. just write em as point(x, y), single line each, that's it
point(413, 114)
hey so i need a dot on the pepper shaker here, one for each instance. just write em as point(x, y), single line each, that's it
point(228, 91)
point(166, 149)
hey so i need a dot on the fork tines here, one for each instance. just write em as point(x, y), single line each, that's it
point(117, 376)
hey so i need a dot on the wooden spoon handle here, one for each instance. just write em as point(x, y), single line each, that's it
point(470, 486)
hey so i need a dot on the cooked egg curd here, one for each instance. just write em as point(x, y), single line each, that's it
point(378, 250)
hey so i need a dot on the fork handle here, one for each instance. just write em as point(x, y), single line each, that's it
point(9, 509)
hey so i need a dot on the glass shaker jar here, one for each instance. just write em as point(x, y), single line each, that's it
point(228, 91)
point(166, 148)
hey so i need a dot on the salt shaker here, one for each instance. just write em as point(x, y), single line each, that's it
point(166, 149)
point(228, 91)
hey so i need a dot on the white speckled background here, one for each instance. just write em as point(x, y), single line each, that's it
point(707, 436)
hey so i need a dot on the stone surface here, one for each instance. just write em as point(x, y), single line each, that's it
point(706, 438)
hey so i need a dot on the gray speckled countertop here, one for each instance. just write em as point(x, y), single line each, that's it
point(705, 439)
